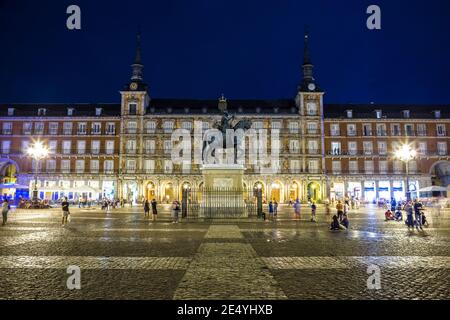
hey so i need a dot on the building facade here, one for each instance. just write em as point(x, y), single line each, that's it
point(125, 150)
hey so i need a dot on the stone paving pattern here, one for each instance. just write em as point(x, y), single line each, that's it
point(122, 255)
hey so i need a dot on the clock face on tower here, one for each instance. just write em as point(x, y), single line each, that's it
point(311, 86)
point(133, 86)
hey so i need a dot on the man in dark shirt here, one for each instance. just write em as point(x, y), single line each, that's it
point(65, 211)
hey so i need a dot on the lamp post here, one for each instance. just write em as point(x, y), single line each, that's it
point(37, 152)
point(406, 154)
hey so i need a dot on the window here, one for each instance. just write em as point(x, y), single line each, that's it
point(132, 127)
point(422, 148)
point(42, 112)
point(442, 148)
point(149, 146)
point(409, 130)
point(276, 124)
point(67, 128)
point(131, 146)
point(383, 166)
point(349, 114)
point(131, 166)
point(382, 147)
point(294, 146)
point(7, 128)
point(412, 166)
point(110, 128)
point(39, 128)
point(437, 114)
point(108, 166)
point(168, 126)
point(150, 126)
point(378, 114)
point(293, 127)
point(167, 146)
point(398, 167)
point(295, 166)
point(368, 147)
point(367, 130)
point(312, 127)
point(81, 147)
point(351, 130)
point(94, 166)
point(421, 129)
point(313, 166)
point(132, 109)
point(98, 111)
point(53, 146)
point(381, 129)
point(187, 125)
point(6, 146)
point(79, 166)
point(336, 148)
point(313, 146)
point(368, 166)
point(335, 130)
point(440, 128)
point(311, 109)
point(95, 146)
point(25, 145)
point(51, 166)
point(110, 147)
point(258, 125)
point(336, 166)
point(27, 127)
point(11, 111)
point(149, 166)
point(70, 112)
point(53, 128)
point(353, 167)
point(36, 165)
point(65, 166)
point(406, 114)
point(67, 145)
point(395, 129)
point(352, 148)
point(82, 128)
point(168, 166)
point(96, 128)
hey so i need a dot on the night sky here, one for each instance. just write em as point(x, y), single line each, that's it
point(246, 49)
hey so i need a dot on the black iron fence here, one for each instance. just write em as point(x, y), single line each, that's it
point(217, 203)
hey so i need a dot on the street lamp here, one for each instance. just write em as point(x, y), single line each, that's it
point(37, 152)
point(405, 154)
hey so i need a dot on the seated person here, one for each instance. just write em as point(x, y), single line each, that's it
point(345, 221)
point(398, 215)
point(335, 223)
point(388, 215)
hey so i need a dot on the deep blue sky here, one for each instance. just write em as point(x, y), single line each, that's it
point(246, 49)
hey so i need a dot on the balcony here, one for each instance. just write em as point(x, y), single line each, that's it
point(96, 133)
point(110, 132)
point(441, 133)
point(381, 133)
point(26, 131)
point(335, 133)
point(7, 131)
point(422, 133)
point(130, 150)
point(67, 132)
point(6, 151)
point(351, 133)
point(367, 133)
point(81, 132)
point(53, 132)
point(313, 151)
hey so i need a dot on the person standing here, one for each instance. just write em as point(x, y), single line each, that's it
point(418, 207)
point(65, 211)
point(313, 212)
point(146, 209)
point(340, 210)
point(270, 210)
point(297, 206)
point(154, 209)
point(175, 211)
point(409, 215)
point(275, 209)
point(5, 210)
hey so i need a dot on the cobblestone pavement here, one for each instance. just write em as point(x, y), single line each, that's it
point(122, 255)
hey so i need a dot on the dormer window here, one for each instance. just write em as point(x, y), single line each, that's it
point(98, 111)
point(11, 111)
point(240, 109)
point(293, 110)
point(42, 112)
point(132, 109)
point(406, 114)
point(258, 110)
point(350, 114)
point(70, 111)
point(186, 109)
point(204, 109)
point(437, 114)
point(276, 109)
point(169, 110)
point(378, 114)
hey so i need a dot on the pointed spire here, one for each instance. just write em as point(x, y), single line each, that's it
point(308, 83)
point(137, 66)
point(306, 55)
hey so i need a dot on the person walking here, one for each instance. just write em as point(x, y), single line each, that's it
point(313, 212)
point(5, 210)
point(297, 207)
point(270, 210)
point(340, 210)
point(175, 211)
point(146, 209)
point(65, 211)
point(275, 209)
point(154, 210)
point(418, 207)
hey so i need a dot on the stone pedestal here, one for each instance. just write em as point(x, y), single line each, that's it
point(223, 193)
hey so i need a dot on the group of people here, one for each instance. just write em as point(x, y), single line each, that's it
point(340, 220)
point(153, 204)
point(415, 215)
